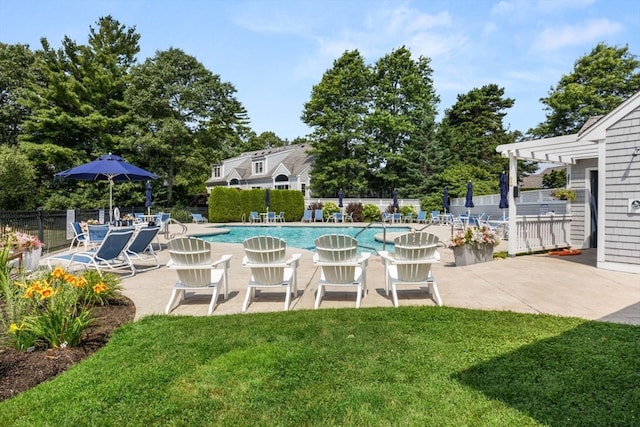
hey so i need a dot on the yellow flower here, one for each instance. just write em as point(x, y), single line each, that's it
point(58, 273)
point(46, 292)
point(13, 328)
point(79, 282)
point(100, 287)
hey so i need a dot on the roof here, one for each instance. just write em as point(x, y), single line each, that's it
point(567, 149)
point(294, 158)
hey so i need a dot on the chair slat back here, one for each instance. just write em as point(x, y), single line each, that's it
point(97, 233)
point(190, 251)
point(266, 256)
point(415, 246)
point(337, 249)
point(113, 244)
point(143, 239)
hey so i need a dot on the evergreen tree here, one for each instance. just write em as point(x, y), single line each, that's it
point(336, 112)
point(473, 127)
point(401, 124)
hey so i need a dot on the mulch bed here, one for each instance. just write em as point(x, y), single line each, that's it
point(21, 370)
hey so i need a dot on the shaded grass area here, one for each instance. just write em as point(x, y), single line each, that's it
point(379, 366)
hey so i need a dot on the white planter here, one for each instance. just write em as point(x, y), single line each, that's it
point(31, 259)
point(469, 254)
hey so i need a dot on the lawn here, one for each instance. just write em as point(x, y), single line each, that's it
point(411, 366)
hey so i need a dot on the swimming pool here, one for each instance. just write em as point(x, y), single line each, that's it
point(304, 237)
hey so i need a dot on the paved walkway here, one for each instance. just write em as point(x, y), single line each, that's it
point(567, 286)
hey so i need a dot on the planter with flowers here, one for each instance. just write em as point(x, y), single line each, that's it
point(473, 245)
point(29, 246)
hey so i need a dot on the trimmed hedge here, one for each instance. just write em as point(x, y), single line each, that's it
point(231, 204)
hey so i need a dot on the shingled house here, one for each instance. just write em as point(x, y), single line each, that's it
point(603, 168)
point(282, 168)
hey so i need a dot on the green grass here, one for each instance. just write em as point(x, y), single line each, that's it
point(412, 366)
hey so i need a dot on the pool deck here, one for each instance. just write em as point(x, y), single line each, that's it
point(566, 286)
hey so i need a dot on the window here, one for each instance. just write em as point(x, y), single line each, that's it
point(304, 188)
point(258, 167)
point(282, 187)
point(282, 182)
point(217, 172)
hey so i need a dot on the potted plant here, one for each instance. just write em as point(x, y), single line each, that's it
point(30, 247)
point(564, 194)
point(473, 245)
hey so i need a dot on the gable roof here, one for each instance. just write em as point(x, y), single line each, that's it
point(567, 149)
point(294, 158)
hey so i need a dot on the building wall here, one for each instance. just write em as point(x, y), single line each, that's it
point(622, 233)
point(580, 206)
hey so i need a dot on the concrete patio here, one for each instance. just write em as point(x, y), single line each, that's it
point(566, 286)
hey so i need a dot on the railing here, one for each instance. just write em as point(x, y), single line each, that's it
point(541, 232)
point(171, 222)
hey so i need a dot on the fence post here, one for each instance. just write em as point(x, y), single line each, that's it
point(41, 224)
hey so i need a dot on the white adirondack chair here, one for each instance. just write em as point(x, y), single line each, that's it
point(266, 257)
point(340, 266)
point(415, 253)
point(191, 258)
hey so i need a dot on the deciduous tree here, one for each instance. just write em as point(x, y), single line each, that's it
point(186, 118)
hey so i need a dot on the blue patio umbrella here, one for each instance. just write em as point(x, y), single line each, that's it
point(504, 193)
point(395, 199)
point(340, 196)
point(468, 203)
point(445, 199)
point(147, 201)
point(108, 167)
point(267, 199)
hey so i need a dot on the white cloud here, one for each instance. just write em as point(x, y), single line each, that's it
point(570, 35)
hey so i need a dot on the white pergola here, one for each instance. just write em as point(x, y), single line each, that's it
point(566, 149)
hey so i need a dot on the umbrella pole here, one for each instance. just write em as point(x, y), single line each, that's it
point(110, 201)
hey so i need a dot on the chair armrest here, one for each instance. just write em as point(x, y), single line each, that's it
point(223, 259)
point(364, 257)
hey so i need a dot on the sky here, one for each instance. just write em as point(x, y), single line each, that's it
point(274, 51)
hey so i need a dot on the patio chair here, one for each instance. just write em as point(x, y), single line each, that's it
point(318, 215)
point(254, 216)
point(387, 217)
point(79, 236)
point(435, 217)
point(422, 217)
point(97, 233)
point(198, 218)
point(397, 218)
point(338, 217)
point(337, 257)
point(191, 258)
point(415, 253)
point(307, 216)
point(110, 254)
point(140, 248)
point(408, 217)
point(280, 217)
point(266, 257)
point(271, 216)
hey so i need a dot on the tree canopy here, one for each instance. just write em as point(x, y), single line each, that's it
point(600, 81)
point(374, 126)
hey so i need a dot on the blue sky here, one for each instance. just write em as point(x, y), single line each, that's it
point(274, 51)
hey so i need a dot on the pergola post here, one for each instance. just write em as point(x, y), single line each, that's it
point(513, 182)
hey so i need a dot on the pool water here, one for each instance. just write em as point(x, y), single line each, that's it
point(304, 237)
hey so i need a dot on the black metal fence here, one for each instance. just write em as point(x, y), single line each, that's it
point(51, 226)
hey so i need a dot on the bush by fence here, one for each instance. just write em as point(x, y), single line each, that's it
point(231, 204)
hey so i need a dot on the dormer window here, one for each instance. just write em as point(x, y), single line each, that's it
point(258, 167)
point(217, 171)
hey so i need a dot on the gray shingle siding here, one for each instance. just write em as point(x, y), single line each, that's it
point(622, 237)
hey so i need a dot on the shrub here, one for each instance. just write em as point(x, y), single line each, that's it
point(371, 213)
point(355, 210)
point(329, 209)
